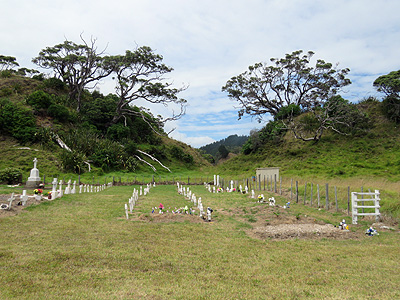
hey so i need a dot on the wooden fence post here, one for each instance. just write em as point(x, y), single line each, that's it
point(318, 196)
point(311, 194)
point(336, 202)
point(348, 200)
point(327, 196)
point(275, 183)
point(297, 191)
point(291, 188)
point(280, 185)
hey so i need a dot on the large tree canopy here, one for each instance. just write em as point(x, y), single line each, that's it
point(289, 82)
point(389, 84)
point(77, 65)
point(139, 76)
point(7, 62)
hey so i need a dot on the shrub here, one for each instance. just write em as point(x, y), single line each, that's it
point(39, 77)
point(58, 112)
point(11, 176)
point(39, 99)
point(117, 132)
point(292, 110)
point(6, 73)
point(17, 121)
point(54, 83)
point(131, 148)
point(391, 108)
point(178, 153)
point(73, 161)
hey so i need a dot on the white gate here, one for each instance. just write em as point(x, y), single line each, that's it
point(358, 202)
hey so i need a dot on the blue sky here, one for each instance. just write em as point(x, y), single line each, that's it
point(208, 42)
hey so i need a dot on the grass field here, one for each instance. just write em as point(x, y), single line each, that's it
point(82, 247)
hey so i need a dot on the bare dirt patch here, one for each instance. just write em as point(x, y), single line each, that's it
point(166, 218)
point(277, 223)
point(16, 206)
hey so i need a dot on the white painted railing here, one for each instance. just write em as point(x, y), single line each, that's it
point(361, 201)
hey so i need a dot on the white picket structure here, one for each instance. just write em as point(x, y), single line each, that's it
point(358, 203)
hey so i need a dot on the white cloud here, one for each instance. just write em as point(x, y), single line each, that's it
point(194, 141)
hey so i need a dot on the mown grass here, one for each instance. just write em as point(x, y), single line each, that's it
point(82, 247)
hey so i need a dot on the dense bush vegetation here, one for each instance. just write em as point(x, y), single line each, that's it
point(11, 176)
point(17, 121)
point(391, 108)
point(39, 100)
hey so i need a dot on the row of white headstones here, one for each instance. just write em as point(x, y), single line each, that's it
point(188, 194)
point(135, 197)
point(83, 188)
point(58, 193)
point(216, 189)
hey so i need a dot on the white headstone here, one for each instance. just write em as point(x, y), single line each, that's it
point(126, 211)
point(54, 189)
point(68, 188)
point(24, 197)
point(60, 193)
point(34, 179)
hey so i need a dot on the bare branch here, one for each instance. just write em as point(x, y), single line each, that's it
point(155, 159)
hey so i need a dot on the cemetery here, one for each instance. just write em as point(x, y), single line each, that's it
point(270, 220)
point(102, 198)
point(117, 213)
point(142, 234)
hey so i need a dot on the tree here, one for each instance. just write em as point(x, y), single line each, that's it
point(223, 151)
point(77, 65)
point(336, 114)
point(389, 84)
point(288, 83)
point(7, 62)
point(139, 76)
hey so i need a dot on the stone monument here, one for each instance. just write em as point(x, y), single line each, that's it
point(34, 179)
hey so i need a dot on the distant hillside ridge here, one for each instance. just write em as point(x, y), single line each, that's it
point(232, 143)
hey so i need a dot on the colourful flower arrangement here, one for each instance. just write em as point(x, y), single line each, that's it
point(38, 191)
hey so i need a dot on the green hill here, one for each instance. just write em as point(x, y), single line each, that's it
point(35, 115)
point(374, 153)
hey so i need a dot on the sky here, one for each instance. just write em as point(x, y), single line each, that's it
point(208, 42)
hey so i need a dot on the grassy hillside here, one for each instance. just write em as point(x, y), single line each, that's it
point(374, 154)
point(29, 128)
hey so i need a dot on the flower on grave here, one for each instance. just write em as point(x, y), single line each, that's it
point(38, 191)
point(260, 198)
point(220, 190)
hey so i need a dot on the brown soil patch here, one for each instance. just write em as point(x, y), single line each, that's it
point(277, 223)
point(16, 206)
point(166, 218)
